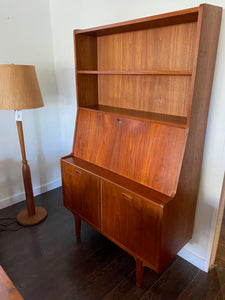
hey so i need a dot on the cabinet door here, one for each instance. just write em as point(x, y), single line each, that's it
point(81, 193)
point(132, 221)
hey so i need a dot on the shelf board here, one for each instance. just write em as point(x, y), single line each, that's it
point(153, 72)
point(171, 120)
point(166, 19)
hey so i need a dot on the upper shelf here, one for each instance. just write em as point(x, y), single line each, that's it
point(178, 17)
point(153, 72)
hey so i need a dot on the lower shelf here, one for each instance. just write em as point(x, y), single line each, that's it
point(107, 175)
point(178, 121)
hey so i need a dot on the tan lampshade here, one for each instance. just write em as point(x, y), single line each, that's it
point(19, 88)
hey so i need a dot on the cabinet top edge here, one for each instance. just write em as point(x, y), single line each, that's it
point(126, 183)
point(175, 17)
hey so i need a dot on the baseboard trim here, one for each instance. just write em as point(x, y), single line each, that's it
point(36, 190)
point(193, 258)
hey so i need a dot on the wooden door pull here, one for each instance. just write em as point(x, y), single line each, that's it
point(126, 196)
point(78, 173)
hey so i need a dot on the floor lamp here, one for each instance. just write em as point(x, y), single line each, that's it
point(19, 89)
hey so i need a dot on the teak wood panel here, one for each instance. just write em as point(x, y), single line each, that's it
point(111, 177)
point(187, 191)
point(8, 290)
point(172, 18)
point(87, 89)
point(171, 120)
point(86, 52)
point(151, 72)
point(148, 153)
point(167, 48)
point(82, 193)
point(132, 221)
point(159, 94)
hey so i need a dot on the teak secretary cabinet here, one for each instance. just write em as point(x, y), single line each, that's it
point(143, 92)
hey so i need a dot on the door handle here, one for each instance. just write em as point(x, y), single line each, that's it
point(124, 195)
point(78, 172)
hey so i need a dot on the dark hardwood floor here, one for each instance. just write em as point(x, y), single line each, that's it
point(47, 262)
point(220, 254)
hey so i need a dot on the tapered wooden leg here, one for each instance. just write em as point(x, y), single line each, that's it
point(139, 272)
point(77, 226)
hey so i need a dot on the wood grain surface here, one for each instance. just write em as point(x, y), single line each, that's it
point(149, 154)
point(7, 289)
point(170, 48)
point(143, 92)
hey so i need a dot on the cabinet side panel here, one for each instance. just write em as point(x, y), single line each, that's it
point(87, 89)
point(86, 59)
point(185, 200)
point(86, 52)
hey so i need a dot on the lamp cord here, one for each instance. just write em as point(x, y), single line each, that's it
point(9, 224)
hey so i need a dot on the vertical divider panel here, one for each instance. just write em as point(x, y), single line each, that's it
point(86, 59)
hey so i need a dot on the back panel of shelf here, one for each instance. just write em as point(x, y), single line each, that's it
point(158, 93)
point(163, 49)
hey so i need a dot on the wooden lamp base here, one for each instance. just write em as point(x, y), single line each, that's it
point(24, 219)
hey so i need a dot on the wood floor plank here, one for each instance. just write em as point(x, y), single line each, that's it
point(219, 296)
point(68, 276)
point(47, 262)
point(173, 282)
point(106, 278)
point(52, 260)
point(205, 285)
point(127, 288)
point(220, 254)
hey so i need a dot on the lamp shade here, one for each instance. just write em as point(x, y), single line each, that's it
point(19, 88)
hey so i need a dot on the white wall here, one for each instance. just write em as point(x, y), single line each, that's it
point(68, 15)
point(26, 38)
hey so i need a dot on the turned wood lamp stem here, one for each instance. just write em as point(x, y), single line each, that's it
point(31, 215)
point(26, 173)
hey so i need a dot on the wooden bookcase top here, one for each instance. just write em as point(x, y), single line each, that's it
point(172, 18)
point(143, 69)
